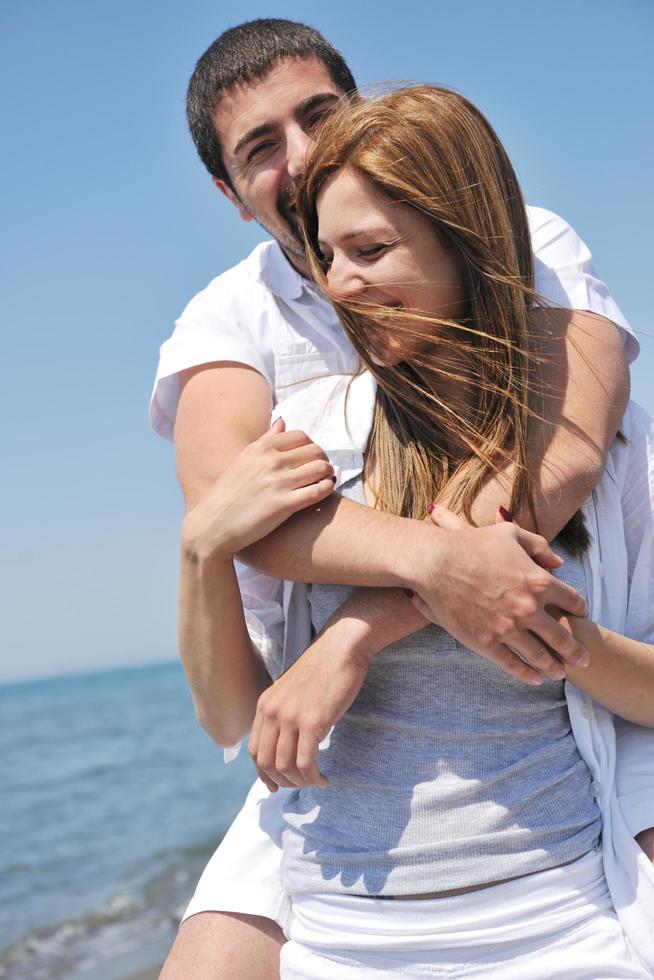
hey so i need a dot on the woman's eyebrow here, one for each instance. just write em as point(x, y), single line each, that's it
point(382, 230)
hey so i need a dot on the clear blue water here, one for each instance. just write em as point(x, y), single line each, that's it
point(112, 800)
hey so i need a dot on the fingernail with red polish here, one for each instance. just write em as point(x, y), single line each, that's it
point(430, 508)
point(504, 514)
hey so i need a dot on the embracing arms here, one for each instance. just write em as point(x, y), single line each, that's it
point(223, 407)
point(288, 726)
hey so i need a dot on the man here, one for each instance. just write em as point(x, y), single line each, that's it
point(255, 100)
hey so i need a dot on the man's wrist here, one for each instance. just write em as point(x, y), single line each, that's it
point(351, 636)
point(419, 555)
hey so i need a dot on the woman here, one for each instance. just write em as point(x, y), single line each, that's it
point(415, 223)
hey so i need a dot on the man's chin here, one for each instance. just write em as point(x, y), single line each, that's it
point(293, 246)
point(290, 243)
point(293, 249)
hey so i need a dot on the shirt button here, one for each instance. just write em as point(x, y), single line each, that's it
point(587, 710)
point(595, 789)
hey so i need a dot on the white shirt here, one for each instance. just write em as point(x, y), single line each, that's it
point(265, 314)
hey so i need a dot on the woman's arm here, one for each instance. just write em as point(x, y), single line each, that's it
point(620, 674)
point(268, 481)
point(224, 669)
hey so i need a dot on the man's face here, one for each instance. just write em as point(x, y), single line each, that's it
point(266, 130)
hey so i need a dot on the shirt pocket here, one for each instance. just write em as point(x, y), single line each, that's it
point(298, 364)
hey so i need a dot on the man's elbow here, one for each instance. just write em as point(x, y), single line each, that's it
point(223, 730)
point(584, 476)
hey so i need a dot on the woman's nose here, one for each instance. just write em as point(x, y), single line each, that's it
point(344, 279)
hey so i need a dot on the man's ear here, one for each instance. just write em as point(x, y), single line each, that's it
point(231, 196)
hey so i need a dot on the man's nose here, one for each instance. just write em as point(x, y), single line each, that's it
point(298, 146)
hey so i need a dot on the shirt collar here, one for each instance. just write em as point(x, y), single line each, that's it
point(269, 266)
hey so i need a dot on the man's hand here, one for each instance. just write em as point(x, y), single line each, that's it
point(491, 591)
point(298, 710)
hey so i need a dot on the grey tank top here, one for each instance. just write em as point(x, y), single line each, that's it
point(445, 773)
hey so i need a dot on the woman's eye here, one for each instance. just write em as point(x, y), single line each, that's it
point(372, 252)
point(325, 260)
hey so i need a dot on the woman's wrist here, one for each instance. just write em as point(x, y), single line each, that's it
point(199, 548)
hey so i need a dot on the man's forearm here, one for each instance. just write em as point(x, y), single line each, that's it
point(343, 543)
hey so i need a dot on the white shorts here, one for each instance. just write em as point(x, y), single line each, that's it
point(244, 873)
point(554, 924)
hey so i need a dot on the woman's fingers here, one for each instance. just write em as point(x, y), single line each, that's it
point(285, 441)
point(303, 454)
point(315, 493)
point(308, 473)
point(442, 517)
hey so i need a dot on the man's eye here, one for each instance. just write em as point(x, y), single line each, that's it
point(259, 150)
point(318, 118)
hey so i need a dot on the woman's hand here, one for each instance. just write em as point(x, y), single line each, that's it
point(272, 478)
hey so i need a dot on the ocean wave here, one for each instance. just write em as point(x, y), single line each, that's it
point(68, 948)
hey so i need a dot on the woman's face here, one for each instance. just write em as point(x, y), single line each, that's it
point(389, 254)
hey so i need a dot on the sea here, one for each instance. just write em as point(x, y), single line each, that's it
point(112, 800)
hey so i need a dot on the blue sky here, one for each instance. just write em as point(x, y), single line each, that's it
point(110, 225)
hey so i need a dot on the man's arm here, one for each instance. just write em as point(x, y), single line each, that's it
point(224, 406)
point(585, 390)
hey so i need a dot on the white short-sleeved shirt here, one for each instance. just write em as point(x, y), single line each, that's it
point(265, 314)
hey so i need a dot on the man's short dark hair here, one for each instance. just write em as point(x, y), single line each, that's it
point(241, 55)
